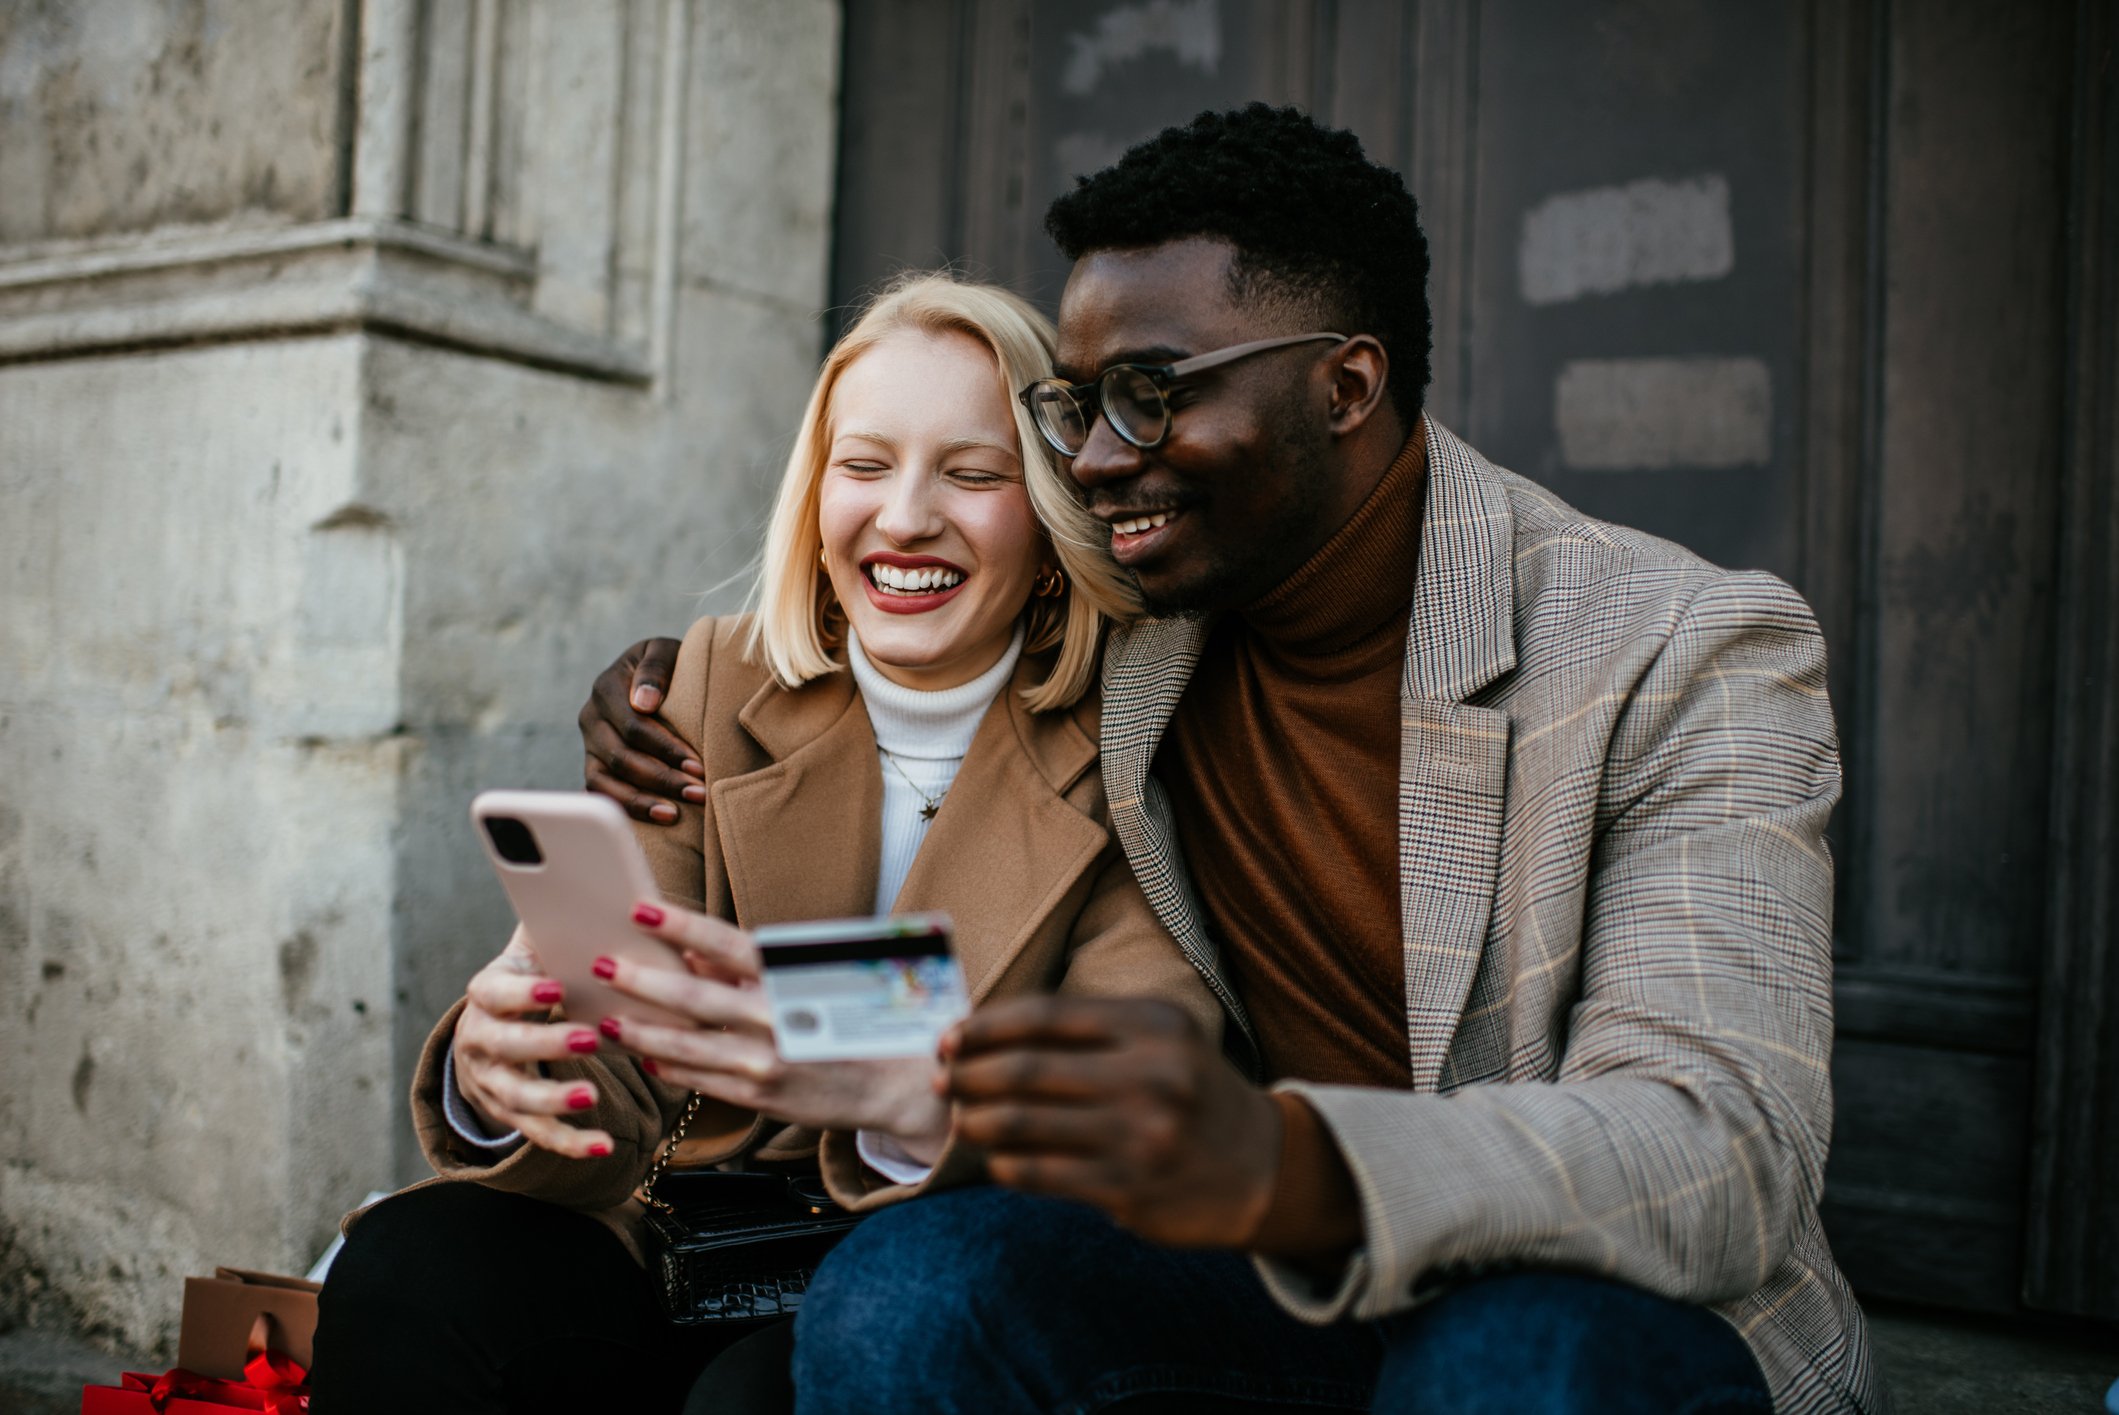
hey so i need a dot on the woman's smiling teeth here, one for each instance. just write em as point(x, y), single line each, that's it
point(1140, 523)
point(927, 580)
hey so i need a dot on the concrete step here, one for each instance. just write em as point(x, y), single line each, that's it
point(1951, 1363)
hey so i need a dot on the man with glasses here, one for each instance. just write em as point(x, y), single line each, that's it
point(1499, 831)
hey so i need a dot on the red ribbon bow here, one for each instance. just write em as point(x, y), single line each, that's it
point(273, 1381)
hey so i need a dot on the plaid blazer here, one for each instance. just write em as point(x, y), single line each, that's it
point(1615, 766)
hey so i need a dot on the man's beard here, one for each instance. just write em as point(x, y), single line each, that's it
point(1241, 574)
point(1175, 607)
point(1209, 594)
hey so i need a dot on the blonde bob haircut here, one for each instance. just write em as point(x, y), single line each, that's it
point(799, 623)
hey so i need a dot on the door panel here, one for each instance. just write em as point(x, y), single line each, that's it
point(1637, 269)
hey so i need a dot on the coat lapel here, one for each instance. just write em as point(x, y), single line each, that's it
point(1005, 847)
point(1453, 757)
point(801, 835)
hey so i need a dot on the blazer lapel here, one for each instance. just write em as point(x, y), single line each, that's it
point(1146, 667)
point(801, 836)
point(1453, 757)
point(1005, 847)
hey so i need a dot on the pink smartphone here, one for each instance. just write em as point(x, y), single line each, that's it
point(573, 871)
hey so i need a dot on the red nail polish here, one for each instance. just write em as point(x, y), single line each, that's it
point(599, 1150)
point(647, 916)
point(548, 992)
point(609, 1027)
point(582, 1042)
point(647, 1064)
point(580, 1098)
point(604, 968)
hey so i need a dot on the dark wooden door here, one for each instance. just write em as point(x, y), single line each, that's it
point(1823, 288)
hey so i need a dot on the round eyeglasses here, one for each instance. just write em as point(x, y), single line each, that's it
point(1130, 396)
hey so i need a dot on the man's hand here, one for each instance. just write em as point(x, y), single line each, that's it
point(632, 757)
point(1119, 1104)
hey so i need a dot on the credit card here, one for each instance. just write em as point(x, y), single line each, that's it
point(851, 989)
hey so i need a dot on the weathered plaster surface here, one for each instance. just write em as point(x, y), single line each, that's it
point(273, 608)
point(124, 115)
point(197, 704)
point(1608, 239)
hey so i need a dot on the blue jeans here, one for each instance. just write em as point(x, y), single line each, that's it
point(985, 1302)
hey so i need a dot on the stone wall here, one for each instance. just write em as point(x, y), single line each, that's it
point(370, 372)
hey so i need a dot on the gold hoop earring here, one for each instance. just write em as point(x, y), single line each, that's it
point(1051, 582)
point(824, 559)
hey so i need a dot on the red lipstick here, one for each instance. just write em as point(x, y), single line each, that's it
point(892, 601)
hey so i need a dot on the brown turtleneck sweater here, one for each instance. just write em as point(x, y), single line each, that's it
point(1281, 765)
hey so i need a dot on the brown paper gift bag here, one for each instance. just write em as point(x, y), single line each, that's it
point(220, 1310)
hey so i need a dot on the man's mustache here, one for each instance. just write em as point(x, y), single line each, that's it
point(1111, 506)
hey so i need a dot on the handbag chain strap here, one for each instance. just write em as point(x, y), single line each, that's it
point(668, 1153)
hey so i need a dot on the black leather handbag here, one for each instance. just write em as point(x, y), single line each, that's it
point(735, 1248)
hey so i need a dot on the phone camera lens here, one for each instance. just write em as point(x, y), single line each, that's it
point(513, 840)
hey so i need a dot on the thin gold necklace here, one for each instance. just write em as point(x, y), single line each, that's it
point(934, 803)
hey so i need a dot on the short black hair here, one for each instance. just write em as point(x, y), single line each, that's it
point(1313, 221)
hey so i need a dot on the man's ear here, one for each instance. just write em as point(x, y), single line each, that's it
point(1360, 373)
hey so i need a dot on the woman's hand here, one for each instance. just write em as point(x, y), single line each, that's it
point(731, 1056)
point(497, 1051)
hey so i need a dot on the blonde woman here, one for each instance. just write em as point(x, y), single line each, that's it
point(908, 721)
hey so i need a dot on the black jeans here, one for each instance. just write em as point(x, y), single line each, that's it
point(462, 1299)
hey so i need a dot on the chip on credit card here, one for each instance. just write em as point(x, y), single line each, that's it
point(854, 989)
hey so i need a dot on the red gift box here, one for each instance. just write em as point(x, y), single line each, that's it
point(136, 1396)
point(272, 1382)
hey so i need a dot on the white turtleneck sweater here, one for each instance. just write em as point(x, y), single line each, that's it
point(921, 735)
point(928, 732)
